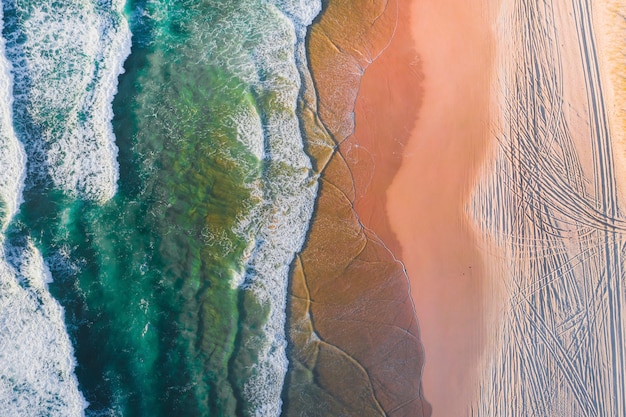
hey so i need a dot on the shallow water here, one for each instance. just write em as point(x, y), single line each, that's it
point(168, 228)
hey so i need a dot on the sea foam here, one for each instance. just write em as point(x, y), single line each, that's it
point(58, 72)
point(12, 156)
point(265, 40)
point(288, 189)
point(36, 355)
point(66, 58)
point(301, 12)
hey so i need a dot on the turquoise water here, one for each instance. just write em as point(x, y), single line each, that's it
point(169, 235)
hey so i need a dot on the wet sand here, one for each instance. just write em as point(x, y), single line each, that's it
point(354, 338)
point(386, 111)
point(426, 201)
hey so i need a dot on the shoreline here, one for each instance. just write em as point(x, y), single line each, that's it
point(352, 322)
point(395, 108)
point(386, 111)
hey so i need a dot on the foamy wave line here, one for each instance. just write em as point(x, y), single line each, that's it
point(300, 12)
point(66, 73)
point(55, 102)
point(12, 156)
point(36, 356)
point(289, 192)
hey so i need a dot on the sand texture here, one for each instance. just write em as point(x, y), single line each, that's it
point(482, 144)
point(507, 207)
point(352, 327)
point(426, 201)
point(549, 206)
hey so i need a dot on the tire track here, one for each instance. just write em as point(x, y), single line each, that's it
point(548, 201)
point(603, 161)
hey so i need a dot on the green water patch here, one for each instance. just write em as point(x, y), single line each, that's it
point(195, 189)
point(148, 278)
point(213, 192)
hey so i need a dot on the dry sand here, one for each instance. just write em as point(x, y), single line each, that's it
point(429, 106)
point(610, 34)
point(427, 197)
point(549, 198)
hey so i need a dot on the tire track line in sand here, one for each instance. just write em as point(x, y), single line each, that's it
point(548, 209)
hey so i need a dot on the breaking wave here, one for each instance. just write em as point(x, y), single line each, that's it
point(66, 58)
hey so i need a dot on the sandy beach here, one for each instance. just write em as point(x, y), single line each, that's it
point(487, 155)
point(468, 157)
point(421, 132)
point(507, 208)
point(426, 200)
point(549, 198)
point(352, 322)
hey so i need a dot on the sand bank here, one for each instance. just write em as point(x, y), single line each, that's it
point(426, 201)
point(354, 338)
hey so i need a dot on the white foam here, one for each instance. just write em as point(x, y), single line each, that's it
point(249, 130)
point(277, 227)
point(302, 12)
point(12, 156)
point(66, 71)
point(284, 196)
point(36, 356)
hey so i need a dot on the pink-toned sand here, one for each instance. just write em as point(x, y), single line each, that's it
point(426, 200)
point(420, 135)
point(352, 323)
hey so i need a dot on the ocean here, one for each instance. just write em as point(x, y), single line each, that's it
point(154, 189)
